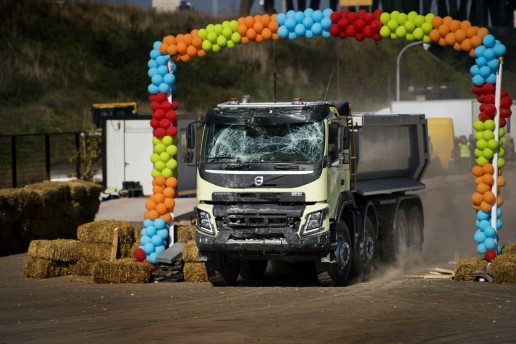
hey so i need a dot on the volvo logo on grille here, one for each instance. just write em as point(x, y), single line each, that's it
point(258, 181)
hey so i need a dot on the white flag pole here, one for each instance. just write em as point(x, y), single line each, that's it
point(498, 94)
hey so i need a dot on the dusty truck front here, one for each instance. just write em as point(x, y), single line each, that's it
point(261, 187)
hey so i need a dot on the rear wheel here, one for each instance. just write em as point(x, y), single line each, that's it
point(337, 273)
point(222, 269)
point(416, 235)
point(401, 237)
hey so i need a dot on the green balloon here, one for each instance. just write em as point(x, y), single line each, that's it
point(393, 25)
point(155, 173)
point(501, 132)
point(478, 125)
point(409, 37)
point(481, 161)
point(489, 124)
point(410, 26)
point(393, 36)
point(488, 153)
point(233, 25)
point(385, 17)
point(154, 158)
point(172, 164)
point(172, 150)
point(155, 140)
point(419, 20)
point(427, 28)
point(481, 144)
point(221, 41)
point(215, 48)
point(478, 135)
point(167, 172)
point(402, 18)
point(167, 140)
point(385, 31)
point(487, 135)
point(159, 165)
point(210, 28)
point(212, 37)
point(478, 152)
point(412, 15)
point(236, 38)
point(226, 24)
point(418, 34)
point(427, 40)
point(206, 45)
point(227, 32)
point(230, 44)
point(218, 29)
point(501, 153)
point(429, 17)
point(400, 31)
point(501, 162)
point(395, 14)
point(164, 157)
point(202, 34)
point(159, 148)
point(492, 144)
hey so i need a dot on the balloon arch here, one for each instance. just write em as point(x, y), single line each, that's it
point(486, 51)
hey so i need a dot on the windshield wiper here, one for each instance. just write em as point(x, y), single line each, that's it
point(238, 165)
point(217, 158)
point(286, 167)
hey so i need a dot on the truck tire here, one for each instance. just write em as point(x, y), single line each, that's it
point(394, 244)
point(252, 270)
point(337, 273)
point(222, 269)
point(366, 255)
point(416, 234)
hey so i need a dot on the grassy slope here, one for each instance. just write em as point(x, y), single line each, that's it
point(57, 61)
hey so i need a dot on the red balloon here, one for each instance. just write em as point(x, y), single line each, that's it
point(377, 37)
point(359, 37)
point(368, 32)
point(335, 16)
point(334, 30)
point(175, 105)
point(483, 116)
point(504, 93)
point(376, 25)
point(344, 13)
point(377, 13)
point(506, 102)
point(480, 98)
point(158, 114)
point(343, 35)
point(352, 16)
point(172, 131)
point(161, 97)
point(503, 122)
point(489, 99)
point(476, 90)
point(154, 123)
point(159, 132)
point(359, 25)
point(361, 13)
point(152, 98)
point(164, 123)
point(171, 115)
point(490, 255)
point(490, 109)
point(154, 106)
point(139, 255)
point(350, 31)
point(165, 106)
point(488, 88)
point(343, 24)
point(368, 18)
point(505, 112)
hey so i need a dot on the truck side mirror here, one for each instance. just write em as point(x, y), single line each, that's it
point(346, 137)
point(190, 135)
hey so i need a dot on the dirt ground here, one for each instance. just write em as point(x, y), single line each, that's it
point(287, 306)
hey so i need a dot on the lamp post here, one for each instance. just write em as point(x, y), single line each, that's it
point(426, 46)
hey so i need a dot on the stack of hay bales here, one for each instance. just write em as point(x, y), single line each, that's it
point(51, 258)
point(503, 267)
point(193, 270)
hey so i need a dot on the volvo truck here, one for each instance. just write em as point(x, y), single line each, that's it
point(306, 182)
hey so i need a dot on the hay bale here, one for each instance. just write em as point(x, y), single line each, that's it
point(63, 250)
point(504, 268)
point(185, 232)
point(45, 268)
point(82, 268)
point(509, 248)
point(96, 252)
point(195, 272)
point(121, 271)
point(190, 252)
point(102, 231)
point(466, 267)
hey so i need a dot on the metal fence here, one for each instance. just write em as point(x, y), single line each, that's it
point(32, 158)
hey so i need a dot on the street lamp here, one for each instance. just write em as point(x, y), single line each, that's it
point(426, 46)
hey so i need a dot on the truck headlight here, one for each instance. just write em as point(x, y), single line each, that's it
point(204, 222)
point(314, 222)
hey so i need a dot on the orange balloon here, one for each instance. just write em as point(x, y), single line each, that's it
point(483, 188)
point(187, 39)
point(169, 192)
point(201, 53)
point(266, 33)
point(152, 214)
point(477, 198)
point(454, 25)
point(482, 32)
point(245, 40)
point(172, 49)
point(197, 42)
point(488, 168)
point(251, 34)
point(434, 35)
point(194, 33)
point(437, 21)
point(185, 58)
point(466, 45)
point(465, 24)
point(163, 48)
point(447, 20)
point(460, 35)
point(169, 203)
point(171, 182)
point(477, 171)
point(159, 180)
point(476, 41)
point(249, 21)
point(471, 31)
point(478, 180)
point(457, 47)
point(191, 51)
point(489, 197)
point(158, 198)
point(157, 189)
point(450, 39)
point(161, 209)
point(476, 207)
point(150, 205)
point(275, 36)
point(501, 181)
point(259, 38)
point(242, 29)
point(176, 57)
point(266, 19)
point(167, 218)
point(472, 53)
point(169, 40)
point(488, 179)
point(241, 20)
point(444, 30)
point(181, 47)
point(179, 38)
point(485, 207)
point(258, 26)
point(499, 201)
point(273, 26)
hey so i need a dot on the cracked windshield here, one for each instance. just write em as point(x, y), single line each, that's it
point(298, 142)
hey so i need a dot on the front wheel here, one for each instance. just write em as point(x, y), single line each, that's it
point(222, 269)
point(336, 273)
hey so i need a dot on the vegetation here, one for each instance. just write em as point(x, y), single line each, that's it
point(57, 60)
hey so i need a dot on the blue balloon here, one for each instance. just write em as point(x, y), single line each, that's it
point(479, 51)
point(162, 70)
point(291, 14)
point(280, 18)
point(308, 22)
point(158, 79)
point(163, 233)
point(490, 232)
point(283, 32)
point(299, 16)
point(148, 248)
point(169, 79)
point(498, 249)
point(159, 249)
point(474, 70)
point(317, 16)
point(326, 34)
point(150, 231)
point(164, 87)
point(290, 24)
point(499, 212)
point(489, 243)
point(481, 215)
point(147, 223)
point(152, 258)
point(153, 89)
point(481, 249)
point(308, 12)
point(142, 232)
point(489, 41)
point(489, 54)
point(309, 34)
point(478, 80)
point(156, 45)
point(159, 223)
point(145, 240)
point(292, 36)
point(152, 64)
point(499, 224)
point(484, 71)
point(157, 240)
point(491, 79)
point(483, 224)
point(493, 65)
point(300, 30)
point(479, 237)
point(326, 23)
point(499, 50)
point(162, 60)
point(152, 72)
point(481, 61)
point(316, 29)
point(154, 54)
point(327, 12)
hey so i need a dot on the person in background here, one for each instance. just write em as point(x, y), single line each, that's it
point(464, 153)
point(472, 145)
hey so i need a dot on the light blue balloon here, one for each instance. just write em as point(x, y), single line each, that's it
point(477, 80)
point(156, 45)
point(147, 223)
point(474, 70)
point(479, 51)
point(164, 88)
point(152, 72)
point(290, 24)
point(479, 237)
point(283, 32)
point(280, 18)
point(150, 231)
point(316, 29)
point(163, 233)
point(159, 249)
point(484, 71)
point(169, 79)
point(498, 249)
point(161, 60)
point(489, 41)
point(327, 12)
point(157, 79)
point(148, 248)
point(292, 36)
point(152, 258)
point(489, 243)
point(481, 248)
point(499, 212)
point(154, 54)
point(299, 16)
point(477, 224)
point(499, 224)
point(152, 64)
point(326, 34)
point(162, 70)
point(142, 232)
point(489, 54)
point(309, 34)
point(308, 22)
point(491, 79)
point(317, 15)
point(326, 23)
point(308, 12)
point(482, 215)
point(300, 30)
point(291, 14)
point(483, 224)
point(481, 61)
point(499, 50)
point(489, 232)
point(157, 240)
point(159, 223)
point(493, 65)
point(145, 240)
point(153, 89)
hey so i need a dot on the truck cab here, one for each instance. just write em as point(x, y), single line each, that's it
point(281, 181)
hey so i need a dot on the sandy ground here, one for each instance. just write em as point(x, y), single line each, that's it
point(286, 306)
